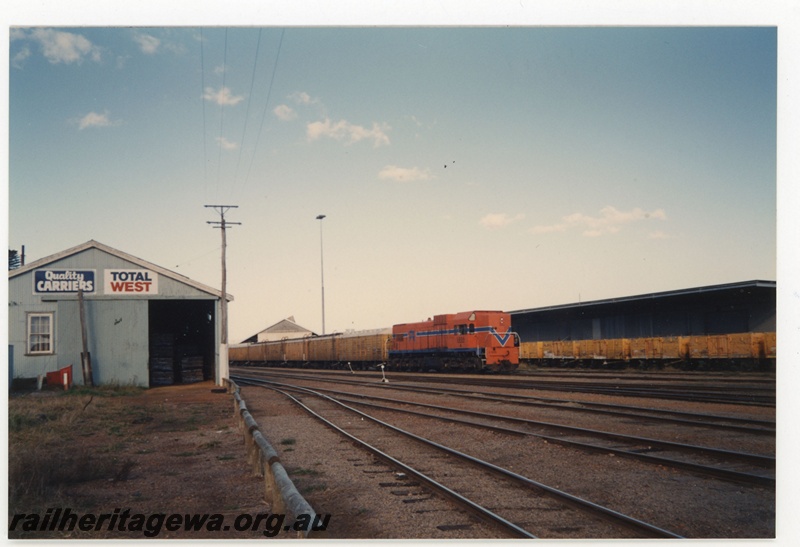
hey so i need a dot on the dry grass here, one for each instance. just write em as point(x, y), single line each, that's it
point(173, 449)
point(43, 457)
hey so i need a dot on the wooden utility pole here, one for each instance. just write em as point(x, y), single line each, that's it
point(222, 224)
point(86, 357)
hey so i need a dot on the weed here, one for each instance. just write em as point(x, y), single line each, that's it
point(305, 490)
point(118, 446)
point(46, 469)
point(104, 391)
point(300, 472)
point(210, 444)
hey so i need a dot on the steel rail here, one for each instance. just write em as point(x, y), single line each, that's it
point(600, 510)
point(719, 472)
point(766, 462)
point(672, 416)
point(753, 400)
point(760, 396)
point(665, 391)
point(695, 376)
point(454, 496)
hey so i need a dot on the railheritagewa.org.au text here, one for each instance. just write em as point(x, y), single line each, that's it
point(153, 524)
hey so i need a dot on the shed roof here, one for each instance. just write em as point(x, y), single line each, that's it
point(657, 296)
point(92, 244)
point(285, 325)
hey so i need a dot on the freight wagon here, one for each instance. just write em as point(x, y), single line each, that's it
point(748, 350)
point(356, 350)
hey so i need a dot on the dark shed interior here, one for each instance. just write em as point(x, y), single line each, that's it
point(181, 341)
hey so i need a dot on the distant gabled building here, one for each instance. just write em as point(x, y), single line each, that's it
point(282, 330)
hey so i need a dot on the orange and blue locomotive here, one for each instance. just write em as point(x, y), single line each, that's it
point(474, 340)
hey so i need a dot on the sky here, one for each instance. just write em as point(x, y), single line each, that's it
point(476, 166)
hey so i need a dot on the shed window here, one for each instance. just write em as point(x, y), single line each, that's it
point(40, 333)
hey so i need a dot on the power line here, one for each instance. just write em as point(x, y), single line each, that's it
point(222, 109)
point(266, 104)
point(203, 104)
point(247, 113)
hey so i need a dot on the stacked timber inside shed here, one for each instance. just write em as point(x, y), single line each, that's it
point(162, 360)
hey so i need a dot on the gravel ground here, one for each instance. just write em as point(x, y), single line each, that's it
point(340, 479)
point(336, 477)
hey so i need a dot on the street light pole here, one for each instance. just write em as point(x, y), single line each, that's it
point(321, 271)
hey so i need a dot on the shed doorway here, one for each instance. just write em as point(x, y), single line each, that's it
point(181, 340)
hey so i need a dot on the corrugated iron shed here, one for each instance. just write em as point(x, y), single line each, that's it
point(134, 310)
point(747, 306)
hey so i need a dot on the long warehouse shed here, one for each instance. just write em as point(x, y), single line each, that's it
point(747, 306)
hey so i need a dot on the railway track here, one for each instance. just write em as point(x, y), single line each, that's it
point(754, 391)
point(722, 422)
point(728, 391)
point(519, 505)
point(730, 465)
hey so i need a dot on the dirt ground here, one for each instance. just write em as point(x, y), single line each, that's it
point(167, 450)
point(178, 450)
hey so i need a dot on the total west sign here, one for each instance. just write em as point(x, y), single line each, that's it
point(130, 282)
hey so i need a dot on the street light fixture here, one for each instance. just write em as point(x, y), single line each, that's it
point(321, 271)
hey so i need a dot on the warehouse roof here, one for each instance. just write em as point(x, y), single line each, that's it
point(92, 244)
point(742, 285)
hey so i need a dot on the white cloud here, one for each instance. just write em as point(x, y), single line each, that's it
point(222, 97)
point(499, 220)
point(93, 119)
point(148, 44)
point(64, 47)
point(225, 144)
point(15, 33)
point(610, 221)
point(19, 58)
point(350, 133)
point(404, 174)
point(301, 97)
point(284, 112)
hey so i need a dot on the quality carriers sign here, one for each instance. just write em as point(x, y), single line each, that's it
point(130, 282)
point(63, 281)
